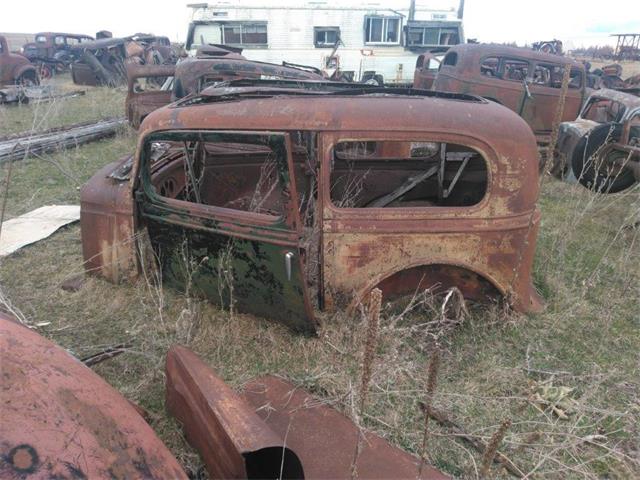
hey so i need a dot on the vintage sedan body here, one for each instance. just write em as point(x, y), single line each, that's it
point(54, 48)
point(15, 69)
point(290, 200)
point(149, 89)
point(601, 148)
point(526, 81)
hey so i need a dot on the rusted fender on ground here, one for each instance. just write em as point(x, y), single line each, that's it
point(58, 419)
point(232, 440)
point(324, 438)
point(245, 436)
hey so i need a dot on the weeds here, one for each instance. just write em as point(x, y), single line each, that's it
point(587, 268)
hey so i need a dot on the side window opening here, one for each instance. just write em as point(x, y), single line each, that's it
point(517, 70)
point(243, 173)
point(235, 175)
point(451, 58)
point(151, 84)
point(549, 75)
point(406, 174)
point(489, 67)
point(603, 110)
point(505, 68)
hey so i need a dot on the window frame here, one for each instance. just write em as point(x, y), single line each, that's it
point(328, 141)
point(202, 210)
point(242, 24)
point(439, 28)
point(324, 30)
point(385, 23)
point(501, 62)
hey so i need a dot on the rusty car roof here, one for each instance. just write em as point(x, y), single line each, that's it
point(627, 99)
point(377, 109)
point(477, 50)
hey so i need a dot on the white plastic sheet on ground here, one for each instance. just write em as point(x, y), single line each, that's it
point(35, 225)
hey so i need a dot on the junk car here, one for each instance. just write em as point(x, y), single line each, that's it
point(149, 89)
point(16, 69)
point(104, 61)
point(525, 81)
point(427, 65)
point(601, 148)
point(53, 50)
point(294, 200)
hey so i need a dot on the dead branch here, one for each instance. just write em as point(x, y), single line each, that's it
point(476, 443)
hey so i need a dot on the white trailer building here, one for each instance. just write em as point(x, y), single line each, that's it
point(371, 36)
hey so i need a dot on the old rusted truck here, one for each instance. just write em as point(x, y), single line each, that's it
point(525, 81)
point(601, 148)
point(16, 69)
point(52, 50)
point(292, 200)
point(153, 86)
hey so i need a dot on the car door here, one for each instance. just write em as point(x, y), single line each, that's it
point(207, 242)
point(149, 88)
point(544, 95)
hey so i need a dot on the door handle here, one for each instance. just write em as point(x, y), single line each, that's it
point(287, 264)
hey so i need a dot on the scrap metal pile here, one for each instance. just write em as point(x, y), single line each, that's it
point(104, 61)
point(272, 430)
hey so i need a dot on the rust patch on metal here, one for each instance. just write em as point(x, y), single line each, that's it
point(324, 438)
point(60, 420)
point(232, 440)
point(273, 429)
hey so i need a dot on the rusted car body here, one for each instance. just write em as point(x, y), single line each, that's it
point(53, 49)
point(148, 89)
point(322, 197)
point(525, 81)
point(104, 61)
point(601, 148)
point(61, 420)
point(427, 65)
point(16, 69)
point(273, 429)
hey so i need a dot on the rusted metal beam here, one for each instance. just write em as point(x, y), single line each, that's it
point(232, 440)
point(18, 147)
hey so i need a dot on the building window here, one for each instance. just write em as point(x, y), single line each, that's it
point(429, 36)
point(245, 34)
point(382, 30)
point(325, 36)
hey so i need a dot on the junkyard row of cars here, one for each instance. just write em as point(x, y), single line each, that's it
point(302, 194)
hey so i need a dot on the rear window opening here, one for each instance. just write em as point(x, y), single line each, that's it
point(603, 110)
point(406, 174)
point(152, 84)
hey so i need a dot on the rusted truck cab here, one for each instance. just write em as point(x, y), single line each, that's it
point(525, 81)
point(288, 201)
point(601, 148)
point(15, 69)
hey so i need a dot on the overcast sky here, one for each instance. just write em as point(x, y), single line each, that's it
point(575, 22)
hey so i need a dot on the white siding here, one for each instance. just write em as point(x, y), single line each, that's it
point(290, 32)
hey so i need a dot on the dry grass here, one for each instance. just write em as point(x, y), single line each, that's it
point(492, 361)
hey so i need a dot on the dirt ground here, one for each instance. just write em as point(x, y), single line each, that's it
point(568, 379)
